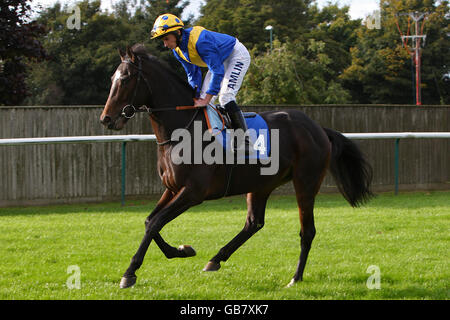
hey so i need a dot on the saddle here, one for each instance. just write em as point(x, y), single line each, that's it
point(223, 114)
point(218, 122)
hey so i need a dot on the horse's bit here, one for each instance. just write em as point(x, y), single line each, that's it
point(130, 110)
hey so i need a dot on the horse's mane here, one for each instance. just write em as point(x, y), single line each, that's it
point(140, 50)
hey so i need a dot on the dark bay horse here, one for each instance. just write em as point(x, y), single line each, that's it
point(307, 151)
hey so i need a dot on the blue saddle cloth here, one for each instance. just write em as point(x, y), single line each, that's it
point(258, 133)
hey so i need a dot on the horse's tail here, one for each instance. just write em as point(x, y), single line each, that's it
point(351, 171)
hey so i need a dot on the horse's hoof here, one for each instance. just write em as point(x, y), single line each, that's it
point(127, 282)
point(212, 266)
point(292, 283)
point(187, 250)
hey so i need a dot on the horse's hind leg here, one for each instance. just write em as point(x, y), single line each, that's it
point(307, 233)
point(306, 189)
point(256, 204)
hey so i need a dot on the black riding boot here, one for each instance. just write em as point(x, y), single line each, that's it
point(238, 122)
point(236, 116)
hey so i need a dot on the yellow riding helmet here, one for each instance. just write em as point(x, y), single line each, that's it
point(166, 23)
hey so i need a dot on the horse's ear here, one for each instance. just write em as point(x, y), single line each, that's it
point(121, 53)
point(130, 54)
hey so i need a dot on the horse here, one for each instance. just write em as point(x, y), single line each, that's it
point(142, 82)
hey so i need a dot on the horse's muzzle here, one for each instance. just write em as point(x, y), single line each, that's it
point(108, 122)
point(105, 120)
point(111, 124)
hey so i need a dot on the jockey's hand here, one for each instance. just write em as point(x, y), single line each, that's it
point(203, 102)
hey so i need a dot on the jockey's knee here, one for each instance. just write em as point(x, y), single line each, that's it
point(226, 98)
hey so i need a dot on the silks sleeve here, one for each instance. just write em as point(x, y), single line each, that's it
point(194, 74)
point(208, 50)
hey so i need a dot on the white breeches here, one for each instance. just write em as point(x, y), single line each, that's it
point(236, 65)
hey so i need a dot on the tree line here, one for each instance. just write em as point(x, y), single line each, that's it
point(66, 55)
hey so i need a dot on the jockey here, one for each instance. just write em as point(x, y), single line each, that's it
point(226, 58)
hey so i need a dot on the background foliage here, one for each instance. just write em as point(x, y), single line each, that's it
point(319, 55)
point(17, 43)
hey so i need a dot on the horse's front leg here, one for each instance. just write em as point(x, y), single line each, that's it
point(182, 201)
point(183, 251)
point(170, 252)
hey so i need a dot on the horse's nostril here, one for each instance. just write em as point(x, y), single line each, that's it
point(105, 120)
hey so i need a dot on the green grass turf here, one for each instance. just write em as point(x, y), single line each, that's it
point(405, 236)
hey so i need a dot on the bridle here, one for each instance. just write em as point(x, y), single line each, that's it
point(130, 110)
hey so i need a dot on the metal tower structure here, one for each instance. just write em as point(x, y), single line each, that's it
point(415, 50)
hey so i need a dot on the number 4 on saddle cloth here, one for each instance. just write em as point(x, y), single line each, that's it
point(258, 131)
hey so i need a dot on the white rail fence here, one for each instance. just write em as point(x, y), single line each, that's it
point(397, 136)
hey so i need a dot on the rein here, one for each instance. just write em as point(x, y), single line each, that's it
point(129, 111)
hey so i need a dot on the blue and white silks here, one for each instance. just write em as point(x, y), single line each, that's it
point(203, 48)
